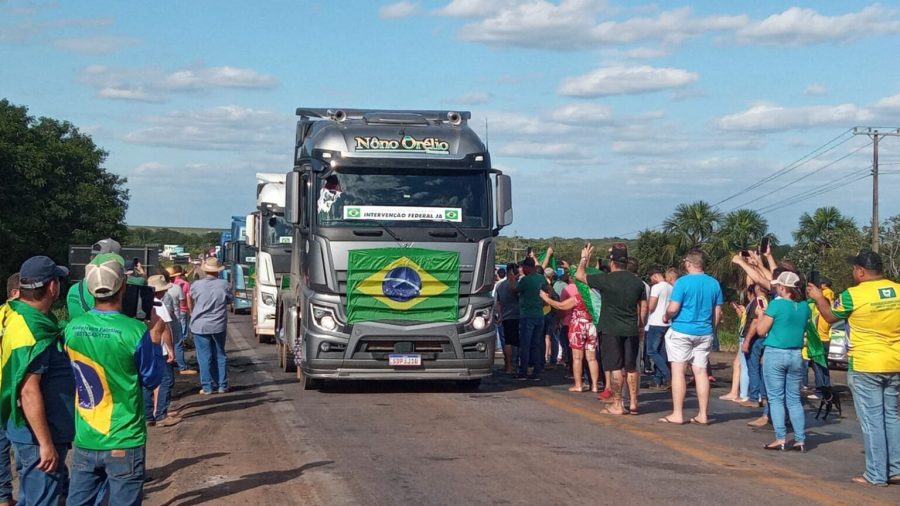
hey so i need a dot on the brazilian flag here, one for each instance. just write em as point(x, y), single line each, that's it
point(402, 284)
point(25, 333)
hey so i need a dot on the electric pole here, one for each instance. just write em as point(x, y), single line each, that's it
point(875, 135)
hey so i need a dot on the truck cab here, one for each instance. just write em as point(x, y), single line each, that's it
point(394, 217)
point(242, 265)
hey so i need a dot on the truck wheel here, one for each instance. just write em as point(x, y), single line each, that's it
point(308, 383)
point(469, 385)
point(278, 354)
point(287, 359)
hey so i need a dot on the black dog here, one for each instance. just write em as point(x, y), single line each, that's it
point(830, 399)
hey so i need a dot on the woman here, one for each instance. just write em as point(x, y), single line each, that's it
point(740, 378)
point(582, 335)
point(784, 322)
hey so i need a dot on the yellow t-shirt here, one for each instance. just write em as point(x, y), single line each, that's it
point(872, 310)
point(823, 326)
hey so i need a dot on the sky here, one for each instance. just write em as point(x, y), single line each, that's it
point(607, 115)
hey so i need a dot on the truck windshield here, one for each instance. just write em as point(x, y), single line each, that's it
point(245, 254)
point(276, 231)
point(367, 197)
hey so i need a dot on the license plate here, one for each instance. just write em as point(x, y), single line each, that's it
point(404, 360)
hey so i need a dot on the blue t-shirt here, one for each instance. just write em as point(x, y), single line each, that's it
point(58, 390)
point(698, 294)
point(211, 297)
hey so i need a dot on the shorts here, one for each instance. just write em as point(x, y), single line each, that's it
point(582, 335)
point(688, 348)
point(619, 352)
point(511, 332)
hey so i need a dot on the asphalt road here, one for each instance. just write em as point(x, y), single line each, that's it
point(536, 443)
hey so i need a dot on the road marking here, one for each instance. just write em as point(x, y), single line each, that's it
point(788, 480)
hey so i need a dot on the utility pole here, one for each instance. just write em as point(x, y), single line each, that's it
point(875, 135)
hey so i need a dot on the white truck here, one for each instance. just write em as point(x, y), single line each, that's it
point(272, 237)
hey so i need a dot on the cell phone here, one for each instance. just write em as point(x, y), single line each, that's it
point(814, 278)
point(529, 251)
point(764, 245)
point(745, 253)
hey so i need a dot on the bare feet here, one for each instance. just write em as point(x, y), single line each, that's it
point(612, 411)
point(728, 397)
point(668, 419)
point(578, 388)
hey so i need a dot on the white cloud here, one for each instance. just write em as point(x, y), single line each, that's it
point(474, 98)
point(583, 114)
point(647, 53)
point(620, 80)
point(553, 150)
point(815, 90)
point(771, 117)
point(399, 10)
point(152, 85)
point(230, 128)
point(799, 26)
point(474, 8)
point(889, 104)
point(27, 31)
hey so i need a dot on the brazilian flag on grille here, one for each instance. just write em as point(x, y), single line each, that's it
point(25, 333)
point(402, 284)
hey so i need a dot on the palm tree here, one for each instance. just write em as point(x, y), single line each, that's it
point(821, 228)
point(692, 225)
point(742, 229)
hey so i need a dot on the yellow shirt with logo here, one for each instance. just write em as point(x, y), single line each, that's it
point(872, 310)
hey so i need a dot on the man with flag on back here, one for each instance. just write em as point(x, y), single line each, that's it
point(113, 357)
point(36, 386)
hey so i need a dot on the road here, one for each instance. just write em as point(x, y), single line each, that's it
point(507, 443)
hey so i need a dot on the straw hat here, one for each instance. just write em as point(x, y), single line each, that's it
point(212, 264)
point(158, 283)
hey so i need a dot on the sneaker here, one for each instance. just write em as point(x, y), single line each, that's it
point(169, 421)
point(664, 386)
point(606, 395)
point(205, 392)
point(223, 390)
point(813, 397)
point(521, 378)
point(187, 372)
point(534, 378)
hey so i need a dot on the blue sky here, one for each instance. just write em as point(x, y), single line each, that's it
point(606, 114)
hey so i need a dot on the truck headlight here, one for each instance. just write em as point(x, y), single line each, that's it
point(482, 318)
point(324, 318)
point(268, 299)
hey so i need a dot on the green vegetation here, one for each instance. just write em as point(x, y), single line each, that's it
point(194, 240)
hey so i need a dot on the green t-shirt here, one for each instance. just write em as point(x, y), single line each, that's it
point(530, 303)
point(790, 322)
point(622, 291)
point(77, 298)
point(110, 353)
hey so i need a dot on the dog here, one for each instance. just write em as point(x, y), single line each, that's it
point(830, 399)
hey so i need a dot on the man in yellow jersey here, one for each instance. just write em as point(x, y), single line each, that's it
point(872, 310)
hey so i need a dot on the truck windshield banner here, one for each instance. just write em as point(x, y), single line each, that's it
point(411, 284)
point(406, 144)
point(403, 213)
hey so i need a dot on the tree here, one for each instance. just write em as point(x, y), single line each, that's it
point(692, 225)
point(742, 229)
point(54, 190)
point(821, 227)
point(654, 249)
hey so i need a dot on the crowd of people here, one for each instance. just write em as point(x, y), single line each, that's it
point(92, 384)
point(606, 325)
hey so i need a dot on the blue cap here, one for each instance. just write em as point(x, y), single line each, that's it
point(37, 271)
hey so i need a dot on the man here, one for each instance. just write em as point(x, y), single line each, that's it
point(6, 486)
point(78, 299)
point(156, 400)
point(37, 394)
point(872, 310)
point(508, 308)
point(184, 316)
point(695, 310)
point(551, 346)
point(114, 356)
point(622, 317)
point(531, 319)
point(660, 292)
point(208, 299)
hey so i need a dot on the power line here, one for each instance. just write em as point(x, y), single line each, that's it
point(829, 186)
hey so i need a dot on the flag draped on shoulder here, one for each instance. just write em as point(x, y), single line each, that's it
point(25, 333)
point(412, 284)
point(590, 298)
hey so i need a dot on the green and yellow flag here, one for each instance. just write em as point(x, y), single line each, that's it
point(402, 284)
point(590, 298)
point(25, 333)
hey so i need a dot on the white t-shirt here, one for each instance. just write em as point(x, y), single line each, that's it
point(663, 292)
point(164, 315)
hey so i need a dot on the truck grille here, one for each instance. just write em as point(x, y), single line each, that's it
point(465, 287)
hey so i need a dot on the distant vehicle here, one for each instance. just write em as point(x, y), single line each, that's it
point(837, 350)
point(242, 265)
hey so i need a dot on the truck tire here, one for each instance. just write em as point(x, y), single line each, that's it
point(309, 383)
point(279, 355)
point(287, 359)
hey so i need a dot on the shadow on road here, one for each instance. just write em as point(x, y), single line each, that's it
point(225, 406)
point(160, 474)
point(242, 484)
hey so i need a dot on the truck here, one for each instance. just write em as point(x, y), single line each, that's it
point(394, 217)
point(271, 235)
point(242, 264)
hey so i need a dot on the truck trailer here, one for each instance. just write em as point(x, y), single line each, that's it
point(394, 215)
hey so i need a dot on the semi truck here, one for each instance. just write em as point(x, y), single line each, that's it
point(242, 264)
point(271, 235)
point(394, 217)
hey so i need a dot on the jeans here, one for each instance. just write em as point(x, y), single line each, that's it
point(757, 385)
point(212, 361)
point(531, 345)
point(550, 330)
point(178, 336)
point(656, 351)
point(6, 487)
point(783, 371)
point(745, 375)
point(37, 488)
point(562, 336)
point(822, 375)
point(123, 470)
point(163, 397)
point(875, 397)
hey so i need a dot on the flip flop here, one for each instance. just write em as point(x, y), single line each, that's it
point(698, 422)
point(633, 411)
point(606, 411)
point(665, 419)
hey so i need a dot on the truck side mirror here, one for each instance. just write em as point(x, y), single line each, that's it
point(251, 229)
point(292, 209)
point(504, 201)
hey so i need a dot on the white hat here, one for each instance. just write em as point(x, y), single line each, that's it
point(105, 275)
point(158, 283)
point(212, 264)
point(787, 279)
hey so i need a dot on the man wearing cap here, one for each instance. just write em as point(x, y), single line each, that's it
point(6, 486)
point(79, 299)
point(209, 298)
point(872, 310)
point(37, 387)
point(156, 401)
point(114, 357)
